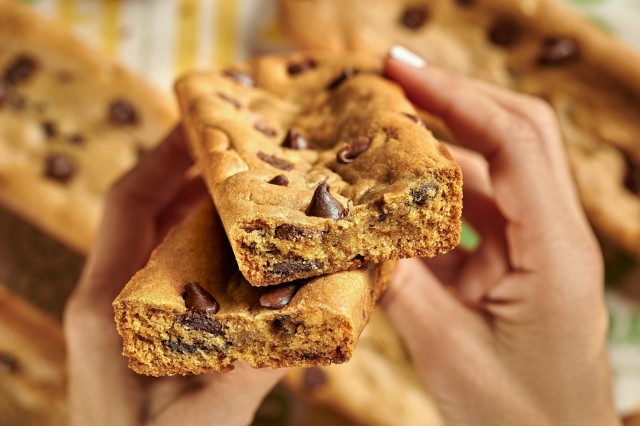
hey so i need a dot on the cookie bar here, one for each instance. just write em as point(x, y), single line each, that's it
point(71, 122)
point(190, 311)
point(377, 387)
point(538, 47)
point(317, 164)
point(32, 366)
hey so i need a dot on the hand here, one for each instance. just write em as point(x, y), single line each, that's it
point(140, 209)
point(515, 331)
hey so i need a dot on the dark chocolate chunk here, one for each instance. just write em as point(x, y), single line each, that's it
point(280, 180)
point(278, 163)
point(292, 232)
point(8, 364)
point(59, 167)
point(49, 129)
point(186, 348)
point(241, 77)
point(632, 177)
point(20, 70)
point(294, 140)
point(264, 128)
point(415, 119)
point(295, 267)
point(229, 100)
point(122, 113)
point(558, 51)
point(313, 378)
point(295, 68)
point(279, 296)
point(504, 33)
point(422, 194)
point(345, 75)
point(414, 17)
point(355, 148)
point(324, 205)
point(198, 320)
point(200, 300)
point(75, 139)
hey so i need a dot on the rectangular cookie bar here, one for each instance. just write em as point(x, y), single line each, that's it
point(318, 164)
point(190, 311)
point(71, 122)
point(538, 47)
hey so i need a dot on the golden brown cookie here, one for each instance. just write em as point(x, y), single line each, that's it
point(538, 47)
point(190, 311)
point(318, 164)
point(71, 122)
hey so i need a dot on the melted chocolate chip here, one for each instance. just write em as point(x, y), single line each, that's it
point(264, 128)
point(293, 232)
point(285, 269)
point(324, 205)
point(295, 68)
point(313, 378)
point(196, 320)
point(241, 77)
point(20, 70)
point(558, 51)
point(465, 3)
point(229, 100)
point(280, 180)
point(59, 167)
point(122, 113)
point(8, 364)
point(414, 17)
point(632, 177)
point(294, 140)
point(278, 163)
point(504, 33)
point(422, 194)
point(415, 119)
point(187, 348)
point(355, 148)
point(49, 129)
point(345, 75)
point(200, 300)
point(277, 297)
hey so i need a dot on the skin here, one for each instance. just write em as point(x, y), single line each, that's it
point(515, 331)
point(140, 208)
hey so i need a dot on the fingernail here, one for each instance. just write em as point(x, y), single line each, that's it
point(406, 56)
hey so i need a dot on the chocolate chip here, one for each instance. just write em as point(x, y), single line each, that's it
point(20, 70)
point(355, 148)
point(295, 68)
point(414, 17)
point(122, 113)
point(324, 205)
point(279, 296)
point(229, 100)
point(415, 119)
point(313, 378)
point(59, 167)
point(187, 348)
point(285, 269)
point(200, 300)
point(264, 128)
point(8, 364)
point(241, 77)
point(292, 232)
point(558, 51)
point(294, 140)
point(75, 139)
point(345, 75)
point(49, 129)
point(422, 194)
point(278, 163)
point(196, 320)
point(632, 177)
point(465, 3)
point(504, 33)
point(280, 180)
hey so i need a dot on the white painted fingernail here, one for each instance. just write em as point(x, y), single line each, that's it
point(406, 56)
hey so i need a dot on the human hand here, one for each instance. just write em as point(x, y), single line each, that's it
point(140, 209)
point(515, 331)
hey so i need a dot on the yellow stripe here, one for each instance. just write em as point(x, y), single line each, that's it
point(188, 31)
point(110, 21)
point(225, 33)
point(67, 13)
